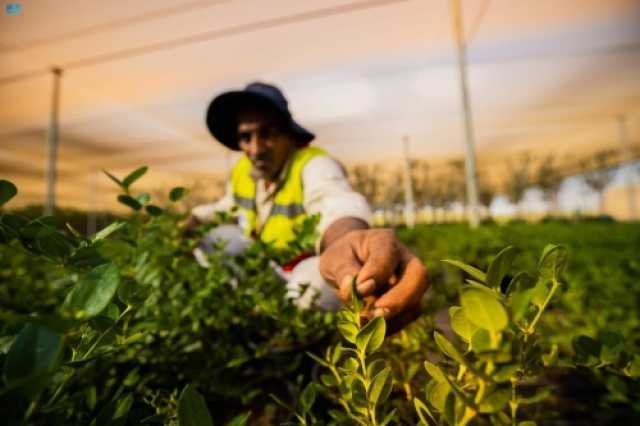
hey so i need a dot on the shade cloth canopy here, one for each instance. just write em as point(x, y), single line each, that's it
point(546, 76)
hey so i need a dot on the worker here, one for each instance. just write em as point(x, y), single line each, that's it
point(280, 180)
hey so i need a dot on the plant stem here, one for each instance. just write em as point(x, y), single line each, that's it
point(513, 403)
point(104, 333)
point(59, 389)
point(554, 287)
point(370, 408)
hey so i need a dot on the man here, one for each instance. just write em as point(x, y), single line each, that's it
point(280, 180)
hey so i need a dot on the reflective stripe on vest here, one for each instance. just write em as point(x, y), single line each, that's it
point(287, 211)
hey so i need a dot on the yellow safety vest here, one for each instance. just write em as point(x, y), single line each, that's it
point(287, 210)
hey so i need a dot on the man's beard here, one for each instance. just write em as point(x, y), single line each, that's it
point(261, 173)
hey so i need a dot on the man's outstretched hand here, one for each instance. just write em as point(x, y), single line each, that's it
point(386, 270)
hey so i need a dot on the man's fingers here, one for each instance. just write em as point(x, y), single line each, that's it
point(407, 292)
point(339, 268)
point(382, 259)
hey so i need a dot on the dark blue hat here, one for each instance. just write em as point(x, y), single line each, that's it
point(223, 111)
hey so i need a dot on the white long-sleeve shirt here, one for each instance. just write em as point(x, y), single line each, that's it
point(326, 191)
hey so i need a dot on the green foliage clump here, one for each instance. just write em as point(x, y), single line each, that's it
point(124, 327)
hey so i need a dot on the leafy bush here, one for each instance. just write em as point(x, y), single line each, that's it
point(124, 327)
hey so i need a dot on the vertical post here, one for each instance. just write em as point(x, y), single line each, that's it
point(409, 204)
point(627, 159)
point(52, 148)
point(470, 156)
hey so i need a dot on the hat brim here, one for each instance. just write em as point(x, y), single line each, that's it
point(223, 112)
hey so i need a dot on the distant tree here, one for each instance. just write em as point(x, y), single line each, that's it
point(441, 194)
point(420, 180)
point(518, 179)
point(597, 173)
point(391, 196)
point(457, 182)
point(549, 179)
point(486, 192)
point(366, 179)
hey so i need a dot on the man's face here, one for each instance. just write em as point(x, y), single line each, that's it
point(264, 141)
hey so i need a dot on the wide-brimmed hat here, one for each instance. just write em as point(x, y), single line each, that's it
point(224, 108)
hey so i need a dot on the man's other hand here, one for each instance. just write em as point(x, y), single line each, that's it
point(386, 270)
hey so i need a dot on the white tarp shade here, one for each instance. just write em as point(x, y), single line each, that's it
point(545, 76)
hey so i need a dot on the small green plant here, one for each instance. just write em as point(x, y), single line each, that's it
point(132, 319)
point(359, 381)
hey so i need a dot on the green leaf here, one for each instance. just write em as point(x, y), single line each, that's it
point(437, 393)
point(87, 257)
point(540, 292)
point(134, 176)
point(435, 372)
point(484, 310)
point(7, 191)
point(143, 198)
point(520, 293)
point(115, 413)
point(337, 353)
point(496, 400)
point(35, 352)
point(278, 401)
point(422, 411)
point(474, 272)
point(153, 210)
point(129, 201)
point(528, 423)
point(390, 416)
point(348, 330)
point(105, 232)
point(520, 282)
point(350, 365)
point(373, 368)
point(380, 387)
point(192, 409)
point(505, 372)
point(612, 346)
point(551, 359)
point(500, 266)
point(317, 359)
point(371, 336)
point(130, 292)
point(536, 398)
point(552, 262)
point(633, 369)
point(461, 324)
point(177, 193)
point(481, 341)
point(328, 380)
point(308, 397)
point(56, 246)
point(359, 394)
point(447, 348)
point(587, 349)
point(356, 300)
point(240, 419)
point(94, 291)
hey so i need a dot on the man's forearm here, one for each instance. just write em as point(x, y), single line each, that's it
point(339, 228)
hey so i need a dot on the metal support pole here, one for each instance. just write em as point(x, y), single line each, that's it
point(470, 156)
point(409, 204)
point(52, 148)
point(627, 158)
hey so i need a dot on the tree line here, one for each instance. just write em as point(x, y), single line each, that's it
point(440, 188)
